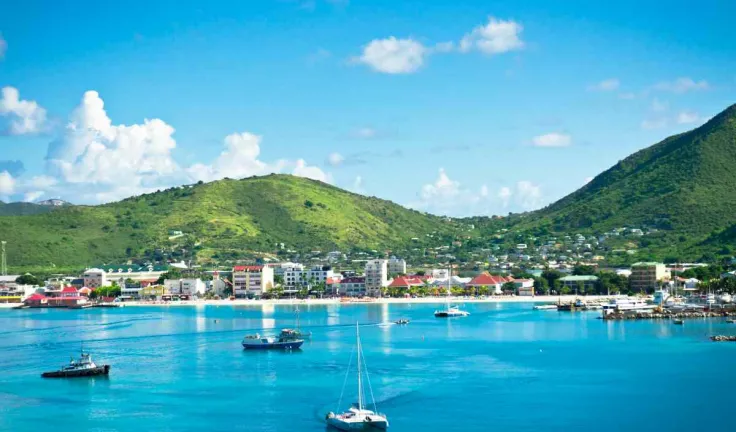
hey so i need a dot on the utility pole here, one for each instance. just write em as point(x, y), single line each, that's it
point(3, 260)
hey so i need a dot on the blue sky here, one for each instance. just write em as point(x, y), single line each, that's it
point(460, 108)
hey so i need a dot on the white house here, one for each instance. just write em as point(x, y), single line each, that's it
point(396, 266)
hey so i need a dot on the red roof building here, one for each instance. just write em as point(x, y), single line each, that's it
point(406, 282)
point(487, 280)
point(248, 268)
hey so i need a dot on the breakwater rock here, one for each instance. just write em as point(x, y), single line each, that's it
point(722, 338)
point(665, 314)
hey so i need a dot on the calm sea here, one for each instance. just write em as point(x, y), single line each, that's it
point(504, 368)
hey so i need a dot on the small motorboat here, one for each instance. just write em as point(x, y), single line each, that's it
point(402, 321)
point(257, 341)
point(678, 321)
point(84, 367)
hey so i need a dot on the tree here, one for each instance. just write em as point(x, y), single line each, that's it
point(583, 270)
point(541, 285)
point(508, 287)
point(28, 279)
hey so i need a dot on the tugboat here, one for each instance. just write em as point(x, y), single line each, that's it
point(257, 341)
point(358, 416)
point(84, 367)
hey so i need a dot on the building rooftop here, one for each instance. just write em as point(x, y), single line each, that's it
point(581, 278)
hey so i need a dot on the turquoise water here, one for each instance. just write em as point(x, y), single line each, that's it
point(505, 368)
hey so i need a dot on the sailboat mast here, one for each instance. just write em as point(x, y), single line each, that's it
point(360, 382)
point(449, 285)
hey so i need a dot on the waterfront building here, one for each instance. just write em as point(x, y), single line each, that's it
point(493, 283)
point(347, 287)
point(190, 287)
point(406, 282)
point(586, 282)
point(396, 266)
point(376, 276)
point(139, 273)
point(252, 280)
point(646, 276)
point(95, 278)
point(524, 287)
point(297, 277)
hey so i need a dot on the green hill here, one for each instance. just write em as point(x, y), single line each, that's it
point(23, 208)
point(684, 186)
point(220, 220)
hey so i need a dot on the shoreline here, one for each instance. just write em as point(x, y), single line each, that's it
point(338, 301)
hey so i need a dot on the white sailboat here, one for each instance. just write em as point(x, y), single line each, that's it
point(450, 311)
point(358, 417)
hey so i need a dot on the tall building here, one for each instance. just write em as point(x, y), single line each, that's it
point(253, 280)
point(396, 266)
point(645, 276)
point(376, 276)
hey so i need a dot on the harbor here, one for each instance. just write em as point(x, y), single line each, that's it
point(188, 363)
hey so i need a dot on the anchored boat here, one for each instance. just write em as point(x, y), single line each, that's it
point(357, 416)
point(257, 341)
point(84, 367)
point(295, 333)
point(450, 311)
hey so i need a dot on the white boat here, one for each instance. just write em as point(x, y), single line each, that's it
point(357, 417)
point(450, 311)
point(545, 307)
point(625, 304)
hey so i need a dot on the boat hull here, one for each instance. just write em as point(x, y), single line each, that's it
point(96, 371)
point(449, 315)
point(289, 345)
point(357, 425)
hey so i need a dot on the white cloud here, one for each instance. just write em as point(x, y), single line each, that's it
point(3, 47)
point(446, 196)
point(657, 123)
point(528, 195)
point(301, 169)
point(335, 159)
point(365, 133)
point(553, 139)
point(240, 158)
point(496, 37)
point(687, 117)
point(32, 196)
point(25, 117)
point(7, 184)
point(100, 161)
point(358, 185)
point(393, 56)
point(504, 193)
point(682, 85)
point(659, 106)
point(610, 84)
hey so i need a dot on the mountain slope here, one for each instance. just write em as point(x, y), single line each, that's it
point(684, 185)
point(23, 208)
point(222, 219)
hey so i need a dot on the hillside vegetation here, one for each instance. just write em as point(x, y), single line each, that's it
point(219, 220)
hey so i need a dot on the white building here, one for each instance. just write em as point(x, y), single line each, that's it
point(348, 287)
point(396, 266)
point(524, 287)
point(253, 280)
point(217, 286)
point(376, 276)
point(296, 277)
point(190, 287)
point(279, 269)
point(95, 278)
point(138, 273)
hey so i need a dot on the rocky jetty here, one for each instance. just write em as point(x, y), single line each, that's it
point(722, 338)
point(668, 315)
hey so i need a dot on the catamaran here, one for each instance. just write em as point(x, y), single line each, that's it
point(358, 417)
point(450, 311)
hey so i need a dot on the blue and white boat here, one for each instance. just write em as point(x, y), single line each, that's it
point(257, 341)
